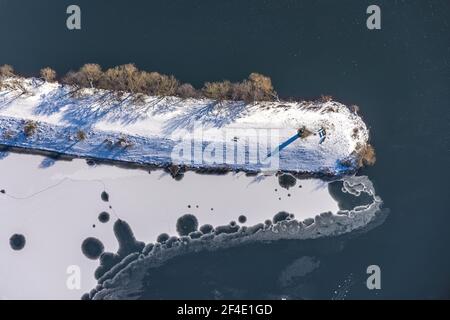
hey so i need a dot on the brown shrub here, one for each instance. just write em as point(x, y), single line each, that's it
point(243, 91)
point(48, 74)
point(218, 90)
point(354, 108)
point(256, 88)
point(325, 98)
point(157, 84)
point(90, 75)
point(367, 156)
point(262, 87)
point(70, 78)
point(6, 71)
point(168, 86)
point(186, 90)
point(81, 135)
point(124, 78)
point(30, 128)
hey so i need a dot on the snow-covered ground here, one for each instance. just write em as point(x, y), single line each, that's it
point(164, 130)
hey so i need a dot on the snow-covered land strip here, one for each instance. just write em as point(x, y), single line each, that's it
point(107, 125)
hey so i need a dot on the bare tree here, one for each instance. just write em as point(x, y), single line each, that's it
point(262, 87)
point(6, 71)
point(168, 86)
point(71, 79)
point(123, 78)
point(128, 78)
point(218, 90)
point(186, 90)
point(48, 74)
point(90, 75)
point(243, 91)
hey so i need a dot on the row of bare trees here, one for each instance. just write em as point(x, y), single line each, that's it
point(256, 88)
point(129, 78)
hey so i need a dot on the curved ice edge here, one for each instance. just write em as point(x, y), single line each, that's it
point(124, 280)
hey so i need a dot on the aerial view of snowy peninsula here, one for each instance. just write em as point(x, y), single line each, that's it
point(205, 150)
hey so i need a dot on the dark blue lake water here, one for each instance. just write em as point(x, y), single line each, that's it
point(399, 76)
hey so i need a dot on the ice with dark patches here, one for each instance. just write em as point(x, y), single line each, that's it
point(287, 180)
point(128, 279)
point(105, 196)
point(17, 242)
point(103, 217)
point(186, 224)
point(92, 248)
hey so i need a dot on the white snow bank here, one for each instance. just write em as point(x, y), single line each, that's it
point(150, 130)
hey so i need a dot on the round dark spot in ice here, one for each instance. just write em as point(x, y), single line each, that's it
point(212, 209)
point(105, 196)
point(289, 194)
point(163, 237)
point(286, 180)
point(92, 248)
point(276, 190)
point(103, 217)
point(206, 228)
point(17, 242)
point(179, 177)
point(189, 206)
point(232, 223)
point(187, 224)
point(196, 206)
point(280, 216)
point(3, 191)
point(93, 226)
point(242, 219)
point(279, 198)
